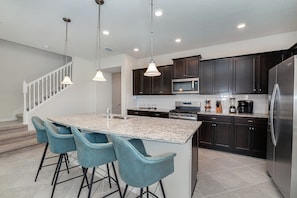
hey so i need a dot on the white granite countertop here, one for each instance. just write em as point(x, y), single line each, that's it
point(254, 115)
point(142, 127)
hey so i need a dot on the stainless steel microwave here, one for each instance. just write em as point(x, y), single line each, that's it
point(185, 86)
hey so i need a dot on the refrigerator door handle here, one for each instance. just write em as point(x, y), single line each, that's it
point(275, 90)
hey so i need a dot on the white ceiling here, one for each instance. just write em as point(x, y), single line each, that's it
point(199, 23)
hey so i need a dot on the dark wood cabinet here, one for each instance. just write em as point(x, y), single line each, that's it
point(222, 76)
point(264, 62)
point(243, 135)
point(250, 135)
point(244, 75)
point(216, 132)
point(148, 113)
point(141, 84)
point(187, 67)
point(215, 76)
point(159, 85)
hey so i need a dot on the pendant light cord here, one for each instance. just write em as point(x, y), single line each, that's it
point(98, 39)
point(152, 42)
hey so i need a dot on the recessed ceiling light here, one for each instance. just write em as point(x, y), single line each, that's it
point(105, 32)
point(158, 12)
point(241, 25)
point(178, 40)
point(136, 50)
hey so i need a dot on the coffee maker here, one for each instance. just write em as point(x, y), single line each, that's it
point(245, 106)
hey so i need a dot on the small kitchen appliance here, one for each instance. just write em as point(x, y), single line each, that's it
point(245, 106)
point(232, 108)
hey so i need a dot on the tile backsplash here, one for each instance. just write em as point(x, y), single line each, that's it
point(168, 102)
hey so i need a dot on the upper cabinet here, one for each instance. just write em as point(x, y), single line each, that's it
point(159, 85)
point(141, 84)
point(244, 75)
point(186, 67)
point(238, 75)
point(215, 76)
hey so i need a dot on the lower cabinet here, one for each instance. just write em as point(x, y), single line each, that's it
point(241, 135)
point(250, 136)
point(216, 132)
point(148, 113)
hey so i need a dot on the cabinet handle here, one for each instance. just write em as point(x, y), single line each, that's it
point(157, 114)
point(213, 125)
point(260, 90)
point(250, 121)
point(213, 118)
point(136, 113)
point(140, 92)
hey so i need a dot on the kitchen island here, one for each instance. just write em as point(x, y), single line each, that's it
point(160, 135)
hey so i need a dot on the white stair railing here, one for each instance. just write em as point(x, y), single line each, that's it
point(43, 88)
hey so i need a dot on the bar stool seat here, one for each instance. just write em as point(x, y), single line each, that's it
point(137, 168)
point(41, 136)
point(59, 144)
point(93, 149)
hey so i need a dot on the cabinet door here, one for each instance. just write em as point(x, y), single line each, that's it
point(192, 67)
point(206, 77)
point(242, 138)
point(259, 137)
point(161, 85)
point(222, 76)
point(264, 62)
point(179, 68)
point(206, 135)
point(244, 75)
point(142, 85)
point(223, 133)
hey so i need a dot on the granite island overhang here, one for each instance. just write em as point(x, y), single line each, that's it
point(160, 135)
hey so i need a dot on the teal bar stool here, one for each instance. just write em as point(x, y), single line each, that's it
point(42, 138)
point(59, 144)
point(94, 150)
point(137, 168)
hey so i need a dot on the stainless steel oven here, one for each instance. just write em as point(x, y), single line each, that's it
point(186, 110)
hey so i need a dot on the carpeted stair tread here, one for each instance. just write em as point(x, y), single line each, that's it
point(16, 137)
point(18, 145)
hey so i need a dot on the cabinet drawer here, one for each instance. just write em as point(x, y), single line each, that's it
point(250, 121)
point(159, 114)
point(214, 118)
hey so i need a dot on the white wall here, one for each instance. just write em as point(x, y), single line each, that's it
point(263, 44)
point(19, 63)
point(76, 99)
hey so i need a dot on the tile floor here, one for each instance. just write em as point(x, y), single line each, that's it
point(221, 175)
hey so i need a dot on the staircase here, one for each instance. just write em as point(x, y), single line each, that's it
point(43, 89)
point(15, 136)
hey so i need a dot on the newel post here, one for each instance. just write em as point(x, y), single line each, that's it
point(25, 113)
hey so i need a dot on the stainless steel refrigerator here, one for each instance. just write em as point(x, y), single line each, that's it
point(282, 127)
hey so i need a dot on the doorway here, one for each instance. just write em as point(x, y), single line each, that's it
point(116, 93)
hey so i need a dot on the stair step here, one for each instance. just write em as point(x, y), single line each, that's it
point(19, 117)
point(18, 145)
point(9, 127)
point(17, 137)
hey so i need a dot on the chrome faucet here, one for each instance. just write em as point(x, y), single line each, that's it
point(108, 113)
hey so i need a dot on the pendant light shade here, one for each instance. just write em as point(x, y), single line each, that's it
point(66, 80)
point(152, 68)
point(99, 75)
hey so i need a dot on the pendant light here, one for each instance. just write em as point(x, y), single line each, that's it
point(152, 68)
point(66, 80)
point(99, 75)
